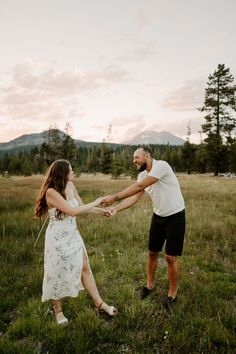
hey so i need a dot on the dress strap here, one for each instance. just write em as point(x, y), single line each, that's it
point(41, 231)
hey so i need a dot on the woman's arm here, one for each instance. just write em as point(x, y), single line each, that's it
point(100, 211)
point(54, 199)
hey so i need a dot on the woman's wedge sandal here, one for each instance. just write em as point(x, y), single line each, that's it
point(111, 311)
point(60, 318)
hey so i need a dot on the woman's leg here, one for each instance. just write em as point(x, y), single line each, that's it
point(59, 316)
point(90, 285)
point(56, 306)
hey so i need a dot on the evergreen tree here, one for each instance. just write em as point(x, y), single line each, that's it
point(232, 157)
point(116, 167)
point(68, 147)
point(15, 165)
point(106, 158)
point(51, 150)
point(220, 107)
point(27, 167)
point(125, 155)
point(5, 162)
point(93, 159)
point(201, 159)
point(188, 152)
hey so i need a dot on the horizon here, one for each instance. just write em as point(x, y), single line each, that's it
point(112, 142)
point(87, 66)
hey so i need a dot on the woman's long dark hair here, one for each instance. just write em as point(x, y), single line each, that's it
point(57, 178)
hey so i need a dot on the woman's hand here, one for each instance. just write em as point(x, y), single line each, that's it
point(107, 212)
point(111, 211)
point(98, 201)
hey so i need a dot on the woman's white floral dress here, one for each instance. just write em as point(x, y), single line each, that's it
point(63, 257)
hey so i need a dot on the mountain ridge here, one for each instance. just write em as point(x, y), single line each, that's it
point(37, 139)
point(152, 137)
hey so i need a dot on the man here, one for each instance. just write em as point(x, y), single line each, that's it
point(168, 220)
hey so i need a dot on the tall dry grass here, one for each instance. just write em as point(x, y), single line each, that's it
point(203, 320)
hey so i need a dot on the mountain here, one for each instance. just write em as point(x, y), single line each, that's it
point(151, 137)
point(28, 141)
point(36, 139)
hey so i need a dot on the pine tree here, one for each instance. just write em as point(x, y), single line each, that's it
point(93, 159)
point(106, 158)
point(201, 158)
point(116, 167)
point(220, 107)
point(188, 152)
point(232, 158)
point(51, 150)
point(68, 147)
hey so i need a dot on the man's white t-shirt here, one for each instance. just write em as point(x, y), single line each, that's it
point(166, 195)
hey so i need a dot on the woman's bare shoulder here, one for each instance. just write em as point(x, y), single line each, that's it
point(51, 192)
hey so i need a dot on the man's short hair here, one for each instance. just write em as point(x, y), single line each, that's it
point(147, 149)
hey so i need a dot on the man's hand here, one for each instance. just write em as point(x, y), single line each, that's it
point(108, 200)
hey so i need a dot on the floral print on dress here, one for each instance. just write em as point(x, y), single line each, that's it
point(63, 257)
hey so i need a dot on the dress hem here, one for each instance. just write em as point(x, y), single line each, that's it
point(62, 297)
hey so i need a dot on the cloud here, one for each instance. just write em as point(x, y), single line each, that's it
point(122, 128)
point(33, 91)
point(64, 83)
point(127, 120)
point(138, 54)
point(177, 125)
point(126, 127)
point(137, 48)
point(188, 97)
point(144, 17)
point(9, 127)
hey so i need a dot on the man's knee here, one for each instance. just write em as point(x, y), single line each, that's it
point(170, 259)
point(152, 254)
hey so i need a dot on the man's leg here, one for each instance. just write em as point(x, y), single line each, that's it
point(173, 271)
point(175, 229)
point(152, 263)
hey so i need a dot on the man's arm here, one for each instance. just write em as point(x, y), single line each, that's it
point(125, 204)
point(130, 191)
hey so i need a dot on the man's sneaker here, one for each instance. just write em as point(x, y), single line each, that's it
point(145, 292)
point(168, 302)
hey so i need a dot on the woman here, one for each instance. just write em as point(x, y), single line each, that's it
point(66, 264)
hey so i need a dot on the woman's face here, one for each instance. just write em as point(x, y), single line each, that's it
point(71, 174)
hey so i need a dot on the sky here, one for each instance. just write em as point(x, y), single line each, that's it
point(110, 68)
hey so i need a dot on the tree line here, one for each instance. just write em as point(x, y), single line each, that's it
point(109, 159)
point(216, 153)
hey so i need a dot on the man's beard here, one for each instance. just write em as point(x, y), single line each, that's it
point(142, 167)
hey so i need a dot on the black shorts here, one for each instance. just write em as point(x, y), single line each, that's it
point(170, 229)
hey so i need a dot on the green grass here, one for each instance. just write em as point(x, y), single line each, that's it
point(204, 318)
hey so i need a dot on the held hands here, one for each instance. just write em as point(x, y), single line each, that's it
point(98, 201)
point(110, 212)
point(108, 200)
point(107, 213)
point(105, 201)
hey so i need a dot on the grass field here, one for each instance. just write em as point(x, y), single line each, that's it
point(203, 320)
